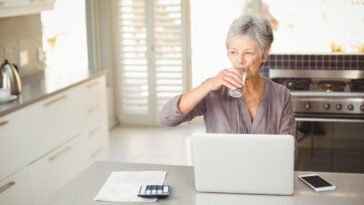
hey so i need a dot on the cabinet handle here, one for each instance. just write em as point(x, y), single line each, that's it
point(3, 123)
point(92, 84)
point(92, 132)
point(95, 153)
point(55, 100)
point(6, 186)
point(54, 157)
point(93, 108)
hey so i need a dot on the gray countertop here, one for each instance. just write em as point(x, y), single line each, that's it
point(82, 189)
point(45, 84)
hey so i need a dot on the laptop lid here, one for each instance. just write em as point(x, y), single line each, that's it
point(243, 163)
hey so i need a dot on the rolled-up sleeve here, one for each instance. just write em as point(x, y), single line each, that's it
point(170, 115)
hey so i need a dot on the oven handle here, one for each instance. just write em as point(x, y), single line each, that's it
point(314, 119)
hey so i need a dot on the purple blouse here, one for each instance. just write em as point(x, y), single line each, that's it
point(225, 114)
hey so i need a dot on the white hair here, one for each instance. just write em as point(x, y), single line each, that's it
point(251, 27)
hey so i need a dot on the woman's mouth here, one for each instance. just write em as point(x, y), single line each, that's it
point(244, 69)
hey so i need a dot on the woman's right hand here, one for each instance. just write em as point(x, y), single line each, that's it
point(230, 78)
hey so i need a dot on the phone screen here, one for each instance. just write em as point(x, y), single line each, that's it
point(316, 181)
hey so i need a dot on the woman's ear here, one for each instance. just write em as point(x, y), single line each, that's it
point(266, 54)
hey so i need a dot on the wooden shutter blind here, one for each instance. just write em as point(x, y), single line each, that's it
point(152, 55)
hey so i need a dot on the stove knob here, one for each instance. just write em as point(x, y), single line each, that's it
point(351, 107)
point(339, 106)
point(307, 106)
point(362, 107)
point(326, 106)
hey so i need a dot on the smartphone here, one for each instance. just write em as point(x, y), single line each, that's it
point(316, 182)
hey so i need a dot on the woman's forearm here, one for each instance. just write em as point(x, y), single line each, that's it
point(191, 98)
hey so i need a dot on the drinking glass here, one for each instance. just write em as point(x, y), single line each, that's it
point(237, 93)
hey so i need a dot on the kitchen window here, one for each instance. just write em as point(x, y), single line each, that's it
point(64, 41)
point(152, 56)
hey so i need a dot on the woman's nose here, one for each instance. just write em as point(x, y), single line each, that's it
point(242, 59)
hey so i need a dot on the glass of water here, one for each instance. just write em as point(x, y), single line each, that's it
point(237, 93)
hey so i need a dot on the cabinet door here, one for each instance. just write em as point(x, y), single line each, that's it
point(24, 7)
point(95, 118)
point(16, 189)
point(15, 3)
point(19, 132)
point(96, 145)
point(54, 170)
point(56, 125)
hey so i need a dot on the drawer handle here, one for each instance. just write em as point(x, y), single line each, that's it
point(95, 153)
point(6, 186)
point(97, 129)
point(55, 100)
point(92, 84)
point(54, 157)
point(3, 123)
point(93, 108)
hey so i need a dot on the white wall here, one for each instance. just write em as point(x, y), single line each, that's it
point(210, 21)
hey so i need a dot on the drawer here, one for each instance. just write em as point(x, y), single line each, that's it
point(18, 134)
point(16, 189)
point(57, 122)
point(94, 88)
point(97, 144)
point(97, 151)
point(54, 170)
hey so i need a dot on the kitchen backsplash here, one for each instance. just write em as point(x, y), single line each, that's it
point(22, 33)
point(313, 62)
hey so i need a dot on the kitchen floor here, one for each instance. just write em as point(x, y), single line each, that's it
point(157, 145)
point(162, 145)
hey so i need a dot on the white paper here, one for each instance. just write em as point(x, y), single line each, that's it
point(124, 186)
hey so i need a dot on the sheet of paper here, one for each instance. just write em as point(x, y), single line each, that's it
point(124, 186)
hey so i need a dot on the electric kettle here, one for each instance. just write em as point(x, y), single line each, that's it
point(10, 75)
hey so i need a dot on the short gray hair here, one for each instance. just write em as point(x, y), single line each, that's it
point(256, 28)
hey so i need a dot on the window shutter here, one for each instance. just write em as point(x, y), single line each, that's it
point(133, 60)
point(168, 35)
point(152, 57)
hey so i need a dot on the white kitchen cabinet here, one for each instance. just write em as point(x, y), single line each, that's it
point(24, 7)
point(18, 133)
point(57, 126)
point(53, 140)
point(16, 189)
point(54, 170)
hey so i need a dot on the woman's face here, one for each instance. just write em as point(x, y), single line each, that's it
point(245, 54)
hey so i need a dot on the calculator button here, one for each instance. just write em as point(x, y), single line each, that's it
point(165, 188)
point(159, 191)
point(154, 191)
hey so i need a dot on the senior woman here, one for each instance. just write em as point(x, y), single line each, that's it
point(264, 108)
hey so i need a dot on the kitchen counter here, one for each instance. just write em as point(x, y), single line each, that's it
point(82, 189)
point(45, 84)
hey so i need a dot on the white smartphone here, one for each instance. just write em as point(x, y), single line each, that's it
point(316, 182)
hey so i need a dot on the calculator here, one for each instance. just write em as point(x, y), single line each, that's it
point(154, 191)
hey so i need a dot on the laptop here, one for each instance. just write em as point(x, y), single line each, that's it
point(243, 163)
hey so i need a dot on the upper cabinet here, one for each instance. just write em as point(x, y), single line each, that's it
point(24, 7)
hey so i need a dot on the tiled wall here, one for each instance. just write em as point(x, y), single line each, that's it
point(314, 62)
point(21, 33)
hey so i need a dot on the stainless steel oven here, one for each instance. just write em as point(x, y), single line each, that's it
point(324, 95)
point(331, 98)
